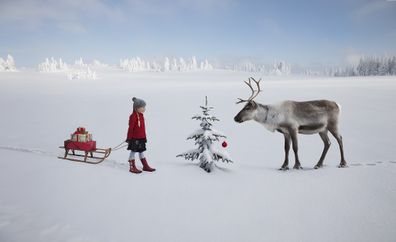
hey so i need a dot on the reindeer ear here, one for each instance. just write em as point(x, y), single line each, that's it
point(254, 104)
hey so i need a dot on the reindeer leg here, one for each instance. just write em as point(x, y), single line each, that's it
point(293, 134)
point(327, 143)
point(336, 134)
point(285, 165)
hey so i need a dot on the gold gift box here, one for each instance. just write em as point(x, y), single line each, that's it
point(81, 137)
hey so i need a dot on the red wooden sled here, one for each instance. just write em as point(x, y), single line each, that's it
point(88, 152)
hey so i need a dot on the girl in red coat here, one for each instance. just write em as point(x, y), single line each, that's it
point(137, 136)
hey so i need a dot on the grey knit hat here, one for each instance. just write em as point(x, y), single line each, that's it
point(138, 103)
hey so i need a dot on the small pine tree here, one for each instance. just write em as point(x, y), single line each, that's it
point(204, 138)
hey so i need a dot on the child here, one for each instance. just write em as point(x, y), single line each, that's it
point(137, 136)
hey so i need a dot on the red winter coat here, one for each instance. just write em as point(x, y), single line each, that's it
point(135, 131)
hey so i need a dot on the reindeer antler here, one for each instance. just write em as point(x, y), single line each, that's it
point(254, 93)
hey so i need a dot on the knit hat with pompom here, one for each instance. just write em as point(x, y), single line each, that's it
point(138, 103)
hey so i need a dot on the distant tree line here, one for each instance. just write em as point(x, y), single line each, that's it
point(370, 66)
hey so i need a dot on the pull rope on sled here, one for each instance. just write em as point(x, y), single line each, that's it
point(120, 146)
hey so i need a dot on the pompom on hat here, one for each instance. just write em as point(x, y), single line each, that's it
point(138, 103)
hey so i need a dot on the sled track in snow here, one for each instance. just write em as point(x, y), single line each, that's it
point(25, 150)
point(125, 166)
point(107, 162)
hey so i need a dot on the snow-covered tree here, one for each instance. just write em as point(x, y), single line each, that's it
point(79, 70)
point(80, 63)
point(155, 67)
point(136, 64)
point(280, 68)
point(51, 65)
point(8, 64)
point(182, 64)
point(193, 64)
point(174, 66)
point(392, 65)
point(206, 66)
point(167, 65)
point(370, 66)
point(205, 137)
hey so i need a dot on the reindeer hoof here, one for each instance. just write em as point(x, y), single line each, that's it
point(299, 167)
point(342, 166)
point(284, 168)
point(318, 166)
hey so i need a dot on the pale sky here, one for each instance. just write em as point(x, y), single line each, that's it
point(306, 32)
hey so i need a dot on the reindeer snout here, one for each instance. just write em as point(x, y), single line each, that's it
point(237, 119)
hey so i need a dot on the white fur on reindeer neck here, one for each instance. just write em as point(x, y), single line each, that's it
point(269, 116)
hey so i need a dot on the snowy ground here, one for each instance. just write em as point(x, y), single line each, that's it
point(47, 199)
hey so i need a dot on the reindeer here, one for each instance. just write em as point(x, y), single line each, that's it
point(291, 118)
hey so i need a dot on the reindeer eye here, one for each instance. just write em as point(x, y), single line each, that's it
point(249, 106)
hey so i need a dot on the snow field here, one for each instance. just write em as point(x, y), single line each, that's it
point(47, 199)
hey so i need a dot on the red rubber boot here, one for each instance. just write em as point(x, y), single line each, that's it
point(133, 168)
point(146, 166)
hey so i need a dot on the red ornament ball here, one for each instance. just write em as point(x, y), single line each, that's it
point(224, 144)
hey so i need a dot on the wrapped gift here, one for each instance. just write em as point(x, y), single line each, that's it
point(81, 137)
point(73, 137)
point(89, 137)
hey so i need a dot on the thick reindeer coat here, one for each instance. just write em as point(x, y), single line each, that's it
point(293, 117)
point(307, 117)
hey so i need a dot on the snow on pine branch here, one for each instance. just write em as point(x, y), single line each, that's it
point(221, 155)
point(196, 134)
point(208, 118)
point(206, 134)
point(206, 156)
point(190, 155)
point(210, 135)
point(218, 133)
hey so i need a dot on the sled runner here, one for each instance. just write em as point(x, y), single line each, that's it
point(87, 152)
